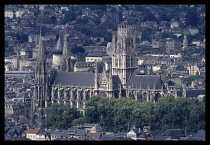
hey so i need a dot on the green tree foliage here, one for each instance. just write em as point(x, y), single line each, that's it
point(192, 78)
point(20, 37)
point(148, 16)
point(90, 27)
point(146, 33)
point(165, 17)
point(119, 114)
point(69, 16)
point(78, 121)
point(98, 7)
point(168, 35)
point(60, 116)
point(191, 18)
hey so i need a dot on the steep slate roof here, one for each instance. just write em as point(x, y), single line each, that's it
point(174, 133)
point(12, 132)
point(20, 138)
point(145, 81)
point(96, 128)
point(59, 139)
point(107, 137)
point(74, 139)
point(10, 94)
point(72, 130)
point(123, 134)
point(160, 137)
point(73, 78)
point(24, 120)
point(177, 81)
point(80, 132)
point(195, 93)
point(180, 68)
point(58, 47)
point(96, 54)
point(6, 129)
point(94, 135)
point(155, 133)
point(192, 93)
point(123, 138)
point(142, 135)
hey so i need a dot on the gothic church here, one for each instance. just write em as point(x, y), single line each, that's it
point(75, 88)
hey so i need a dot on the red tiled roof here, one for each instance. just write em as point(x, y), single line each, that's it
point(25, 132)
point(35, 131)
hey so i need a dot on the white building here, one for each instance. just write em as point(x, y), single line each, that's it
point(193, 70)
point(36, 134)
point(8, 13)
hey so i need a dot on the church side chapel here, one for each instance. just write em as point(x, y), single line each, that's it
point(75, 88)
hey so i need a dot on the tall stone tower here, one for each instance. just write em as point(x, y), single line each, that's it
point(66, 59)
point(57, 54)
point(40, 97)
point(124, 60)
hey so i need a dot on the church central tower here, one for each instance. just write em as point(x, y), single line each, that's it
point(124, 60)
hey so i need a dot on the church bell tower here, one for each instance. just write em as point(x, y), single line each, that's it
point(124, 60)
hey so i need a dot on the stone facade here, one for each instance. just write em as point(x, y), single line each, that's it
point(75, 88)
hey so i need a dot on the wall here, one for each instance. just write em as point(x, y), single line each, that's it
point(57, 58)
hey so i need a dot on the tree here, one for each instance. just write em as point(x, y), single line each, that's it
point(78, 121)
point(98, 7)
point(69, 16)
point(168, 35)
point(149, 16)
point(23, 38)
point(60, 116)
point(165, 17)
point(91, 112)
point(77, 49)
point(146, 34)
point(191, 18)
point(162, 111)
point(119, 114)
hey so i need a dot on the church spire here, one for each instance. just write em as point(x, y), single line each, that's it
point(40, 90)
point(65, 47)
point(40, 48)
point(66, 60)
